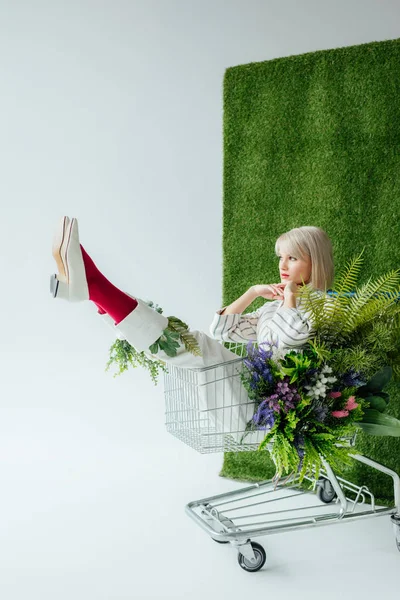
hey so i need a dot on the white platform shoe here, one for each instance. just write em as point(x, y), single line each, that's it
point(142, 327)
point(70, 283)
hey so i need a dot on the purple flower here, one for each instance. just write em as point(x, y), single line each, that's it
point(257, 363)
point(273, 403)
point(264, 417)
point(248, 363)
point(285, 396)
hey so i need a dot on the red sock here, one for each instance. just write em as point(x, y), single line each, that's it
point(100, 310)
point(108, 298)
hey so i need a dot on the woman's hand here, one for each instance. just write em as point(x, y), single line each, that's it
point(291, 289)
point(276, 291)
point(272, 291)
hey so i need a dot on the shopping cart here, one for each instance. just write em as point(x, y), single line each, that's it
point(207, 409)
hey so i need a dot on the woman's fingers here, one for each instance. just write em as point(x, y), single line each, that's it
point(280, 287)
point(278, 293)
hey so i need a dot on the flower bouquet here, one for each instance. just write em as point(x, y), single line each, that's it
point(309, 402)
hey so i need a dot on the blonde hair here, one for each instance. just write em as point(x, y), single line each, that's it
point(315, 243)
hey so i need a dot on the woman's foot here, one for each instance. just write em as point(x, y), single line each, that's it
point(70, 282)
point(80, 279)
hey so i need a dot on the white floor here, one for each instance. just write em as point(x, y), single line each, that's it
point(96, 519)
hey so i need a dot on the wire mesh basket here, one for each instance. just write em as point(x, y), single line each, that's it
point(208, 408)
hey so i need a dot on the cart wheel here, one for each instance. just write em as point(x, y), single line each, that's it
point(258, 564)
point(325, 491)
point(396, 527)
point(227, 522)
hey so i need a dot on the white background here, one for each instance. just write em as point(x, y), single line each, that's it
point(111, 111)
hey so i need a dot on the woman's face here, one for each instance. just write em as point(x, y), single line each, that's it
point(293, 268)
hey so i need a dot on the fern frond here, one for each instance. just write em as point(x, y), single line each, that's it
point(337, 318)
point(313, 305)
point(387, 288)
point(311, 461)
point(190, 343)
point(348, 278)
point(188, 339)
point(284, 455)
point(344, 285)
point(177, 325)
point(376, 307)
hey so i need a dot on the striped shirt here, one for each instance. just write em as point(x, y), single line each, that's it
point(289, 328)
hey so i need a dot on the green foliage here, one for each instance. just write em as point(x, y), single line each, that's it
point(123, 356)
point(344, 340)
point(173, 336)
point(362, 330)
point(316, 448)
point(168, 342)
point(376, 423)
point(321, 439)
point(295, 365)
point(175, 325)
point(284, 455)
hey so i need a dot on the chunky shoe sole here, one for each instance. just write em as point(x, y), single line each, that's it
point(71, 283)
point(59, 245)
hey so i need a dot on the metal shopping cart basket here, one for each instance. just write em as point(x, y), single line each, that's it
point(207, 408)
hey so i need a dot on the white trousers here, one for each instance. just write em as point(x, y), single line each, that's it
point(214, 394)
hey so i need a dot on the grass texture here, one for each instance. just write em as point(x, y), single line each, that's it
point(313, 139)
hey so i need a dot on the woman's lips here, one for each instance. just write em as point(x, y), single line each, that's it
point(284, 275)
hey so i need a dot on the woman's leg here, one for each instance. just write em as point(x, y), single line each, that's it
point(104, 294)
point(220, 393)
point(79, 279)
point(212, 398)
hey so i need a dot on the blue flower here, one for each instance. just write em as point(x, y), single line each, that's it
point(320, 412)
point(298, 443)
point(264, 417)
point(352, 379)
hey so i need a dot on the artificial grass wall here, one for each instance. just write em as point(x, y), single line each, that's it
point(313, 139)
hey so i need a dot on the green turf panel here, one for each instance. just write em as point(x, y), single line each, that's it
point(313, 139)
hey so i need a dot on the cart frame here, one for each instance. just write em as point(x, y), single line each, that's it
point(200, 412)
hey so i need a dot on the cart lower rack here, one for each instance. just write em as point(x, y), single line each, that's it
point(208, 409)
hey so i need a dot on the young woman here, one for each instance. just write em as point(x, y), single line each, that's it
point(305, 254)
